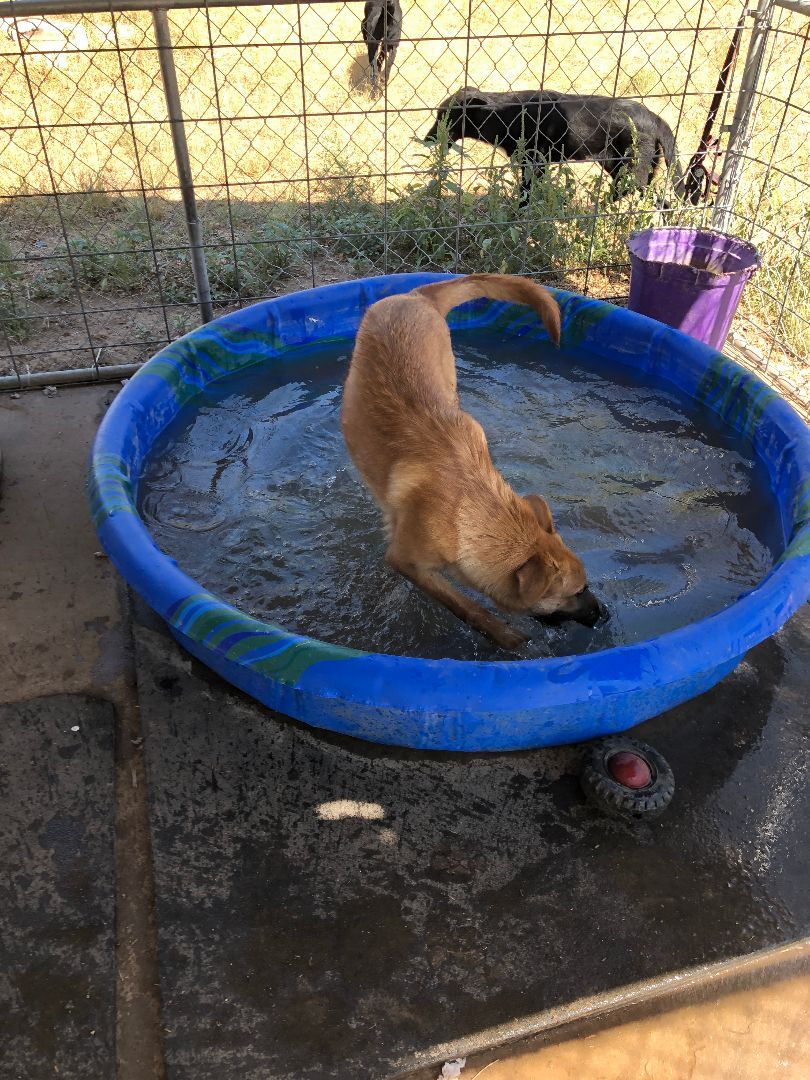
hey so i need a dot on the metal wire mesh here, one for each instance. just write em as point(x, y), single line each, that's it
point(772, 209)
point(303, 174)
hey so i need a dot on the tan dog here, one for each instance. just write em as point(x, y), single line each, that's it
point(426, 462)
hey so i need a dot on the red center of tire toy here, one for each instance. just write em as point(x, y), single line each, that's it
point(629, 769)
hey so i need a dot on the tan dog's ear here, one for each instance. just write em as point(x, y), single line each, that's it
point(528, 574)
point(535, 572)
point(541, 512)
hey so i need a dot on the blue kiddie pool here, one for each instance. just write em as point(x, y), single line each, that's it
point(450, 704)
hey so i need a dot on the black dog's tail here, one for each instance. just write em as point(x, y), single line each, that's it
point(665, 145)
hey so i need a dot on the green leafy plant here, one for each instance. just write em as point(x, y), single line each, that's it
point(119, 264)
point(13, 308)
point(277, 248)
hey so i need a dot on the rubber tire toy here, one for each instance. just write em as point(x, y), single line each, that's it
point(611, 796)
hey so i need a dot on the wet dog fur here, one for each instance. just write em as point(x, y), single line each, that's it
point(447, 509)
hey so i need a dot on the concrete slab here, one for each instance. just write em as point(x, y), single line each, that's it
point(61, 627)
point(328, 908)
point(57, 890)
point(64, 629)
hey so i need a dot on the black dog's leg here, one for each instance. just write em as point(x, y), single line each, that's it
point(644, 170)
point(372, 63)
point(624, 177)
point(631, 172)
point(529, 170)
point(389, 61)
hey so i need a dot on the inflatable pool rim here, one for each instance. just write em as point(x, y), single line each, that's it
point(449, 704)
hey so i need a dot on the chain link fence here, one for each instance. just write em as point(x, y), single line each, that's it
point(765, 196)
point(160, 163)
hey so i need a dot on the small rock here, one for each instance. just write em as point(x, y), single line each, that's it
point(15, 396)
point(50, 391)
point(453, 1068)
point(99, 554)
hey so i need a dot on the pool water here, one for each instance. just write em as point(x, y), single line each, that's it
point(253, 493)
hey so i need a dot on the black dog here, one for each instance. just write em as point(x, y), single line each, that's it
point(619, 133)
point(382, 29)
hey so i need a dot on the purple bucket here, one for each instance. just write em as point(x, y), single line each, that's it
point(691, 279)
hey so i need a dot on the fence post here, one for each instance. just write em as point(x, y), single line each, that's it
point(739, 139)
point(175, 110)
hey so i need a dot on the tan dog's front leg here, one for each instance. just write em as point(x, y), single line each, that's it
point(432, 582)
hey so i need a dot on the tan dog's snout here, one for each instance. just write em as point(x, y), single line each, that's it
point(587, 610)
point(583, 608)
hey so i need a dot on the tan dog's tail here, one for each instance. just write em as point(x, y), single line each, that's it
point(445, 295)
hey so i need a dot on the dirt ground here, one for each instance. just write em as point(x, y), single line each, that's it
point(123, 329)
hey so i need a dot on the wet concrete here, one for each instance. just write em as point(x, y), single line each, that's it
point(61, 625)
point(64, 631)
point(331, 909)
point(57, 889)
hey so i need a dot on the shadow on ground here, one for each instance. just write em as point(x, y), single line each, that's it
point(332, 909)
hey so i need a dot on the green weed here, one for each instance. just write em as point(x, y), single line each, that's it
point(13, 324)
point(257, 268)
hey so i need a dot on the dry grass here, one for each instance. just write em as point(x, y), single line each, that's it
point(248, 76)
point(256, 83)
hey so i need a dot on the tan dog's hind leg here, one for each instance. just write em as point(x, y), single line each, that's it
point(432, 582)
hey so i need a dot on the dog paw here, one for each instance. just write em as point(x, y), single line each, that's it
point(510, 639)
